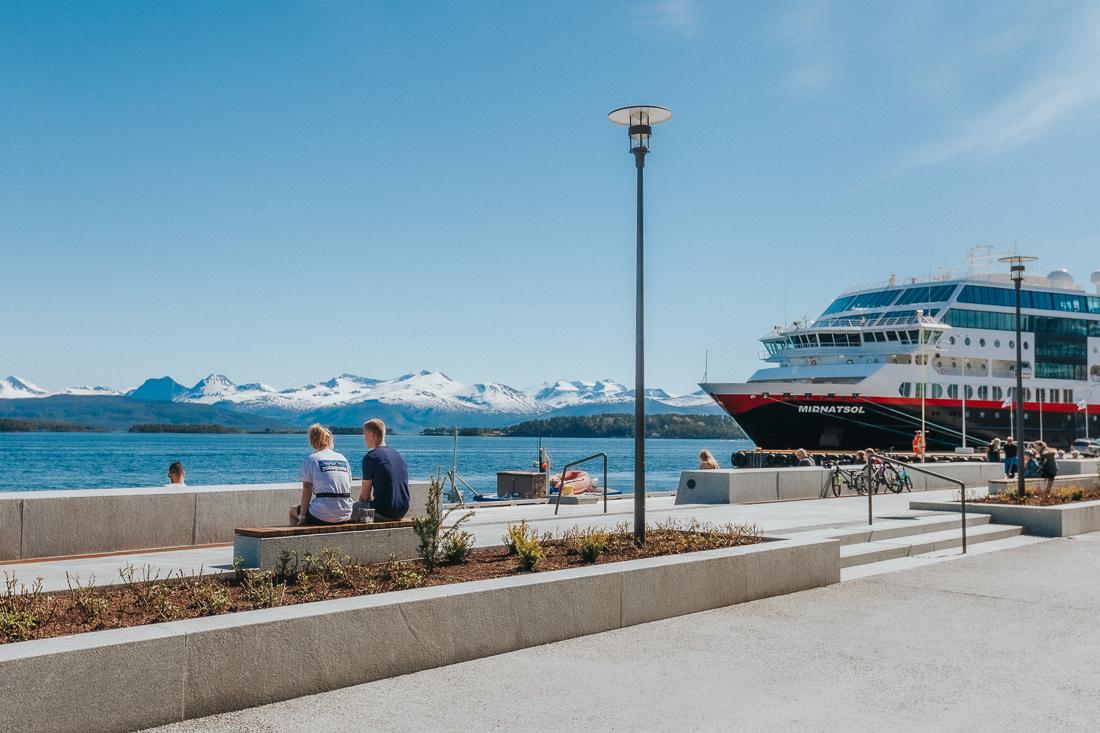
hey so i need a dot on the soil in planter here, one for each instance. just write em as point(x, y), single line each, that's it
point(26, 612)
point(1062, 495)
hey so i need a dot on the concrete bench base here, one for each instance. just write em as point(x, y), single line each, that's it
point(1085, 481)
point(362, 543)
point(1064, 520)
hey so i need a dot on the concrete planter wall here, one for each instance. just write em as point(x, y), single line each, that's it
point(1043, 521)
point(39, 524)
point(126, 679)
point(746, 485)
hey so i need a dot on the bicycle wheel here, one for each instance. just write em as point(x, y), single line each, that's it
point(858, 483)
point(892, 479)
point(837, 486)
point(905, 478)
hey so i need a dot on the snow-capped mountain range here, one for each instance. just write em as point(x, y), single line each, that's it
point(418, 399)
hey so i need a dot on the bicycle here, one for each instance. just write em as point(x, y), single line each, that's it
point(885, 475)
point(840, 480)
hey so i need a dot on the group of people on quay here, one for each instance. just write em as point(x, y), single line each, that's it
point(326, 480)
point(1039, 459)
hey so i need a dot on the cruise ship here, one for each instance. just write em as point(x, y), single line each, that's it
point(883, 360)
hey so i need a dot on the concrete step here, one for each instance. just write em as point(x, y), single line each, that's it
point(896, 526)
point(917, 544)
point(856, 572)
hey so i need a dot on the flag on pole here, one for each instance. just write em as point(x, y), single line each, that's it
point(1007, 402)
point(1082, 405)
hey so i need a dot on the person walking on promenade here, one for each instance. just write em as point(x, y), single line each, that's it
point(1048, 466)
point(326, 483)
point(385, 475)
point(920, 445)
point(707, 461)
point(1012, 457)
point(177, 476)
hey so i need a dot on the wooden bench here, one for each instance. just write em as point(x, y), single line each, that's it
point(372, 542)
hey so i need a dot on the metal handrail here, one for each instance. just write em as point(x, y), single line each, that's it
point(567, 466)
point(918, 469)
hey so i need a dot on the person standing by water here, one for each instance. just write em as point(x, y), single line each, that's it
point(385, 475)
point(326, 483)
point(707, 461)
point(993, 453)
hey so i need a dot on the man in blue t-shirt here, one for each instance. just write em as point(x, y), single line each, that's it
point(385, 475)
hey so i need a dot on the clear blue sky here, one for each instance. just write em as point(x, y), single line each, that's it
point(285, 191)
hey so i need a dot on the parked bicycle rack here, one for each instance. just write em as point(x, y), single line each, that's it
point(567, 466)
point(916, 467)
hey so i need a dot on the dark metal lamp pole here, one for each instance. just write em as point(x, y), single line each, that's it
point(639, 121)
point(1017, 263)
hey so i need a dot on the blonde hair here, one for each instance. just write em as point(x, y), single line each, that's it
point(377, 427)
point(707, 457)
point(320, 437)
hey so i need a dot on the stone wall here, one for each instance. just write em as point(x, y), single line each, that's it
point(39, 524)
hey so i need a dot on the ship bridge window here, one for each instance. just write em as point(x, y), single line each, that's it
point(838, 305)
point(905, 389)
point(876, 299)
point(1037, 299)
point(926, 294)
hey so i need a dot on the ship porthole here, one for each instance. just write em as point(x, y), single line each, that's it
point(981, 342)
point(997, 344)
point(967, 341)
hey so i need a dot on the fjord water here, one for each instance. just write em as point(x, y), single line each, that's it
point(36, 461)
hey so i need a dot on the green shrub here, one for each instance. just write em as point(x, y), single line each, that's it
point(401, 575)
point(89, 602)
point(526, 544)
point(456, 547)
point(17, 625)
point(331, 566)
point(429, 528)
point(261, 590)
point(589, 543)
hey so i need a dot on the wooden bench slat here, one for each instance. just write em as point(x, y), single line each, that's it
point(318, 529)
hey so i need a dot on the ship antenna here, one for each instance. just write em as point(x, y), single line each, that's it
point(706, 365)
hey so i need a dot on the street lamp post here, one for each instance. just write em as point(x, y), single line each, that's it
point(639, 121)
point(1017, 263)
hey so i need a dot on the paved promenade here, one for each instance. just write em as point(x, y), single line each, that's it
point(1004, 641)
point(489, 523)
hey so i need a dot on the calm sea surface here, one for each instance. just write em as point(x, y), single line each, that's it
point(35, 461)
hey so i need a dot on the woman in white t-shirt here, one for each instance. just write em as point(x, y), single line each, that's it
point(326, 483)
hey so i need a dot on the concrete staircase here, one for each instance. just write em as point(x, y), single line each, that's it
point(908, 539)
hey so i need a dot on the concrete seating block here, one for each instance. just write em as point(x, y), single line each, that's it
point(80, 683)
point(219, 513)
point(365, 543)
point(727, 486)
point(802, 483)
point(74, 524)
point(11, 528)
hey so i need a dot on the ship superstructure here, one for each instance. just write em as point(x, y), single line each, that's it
point(862, 373)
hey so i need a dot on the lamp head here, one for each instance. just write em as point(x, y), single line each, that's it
point(1017, 263)
point(639, 121)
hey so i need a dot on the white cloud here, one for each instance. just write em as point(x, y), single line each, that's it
point(804, 30)
point(679, 17)
point(1066, 85)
